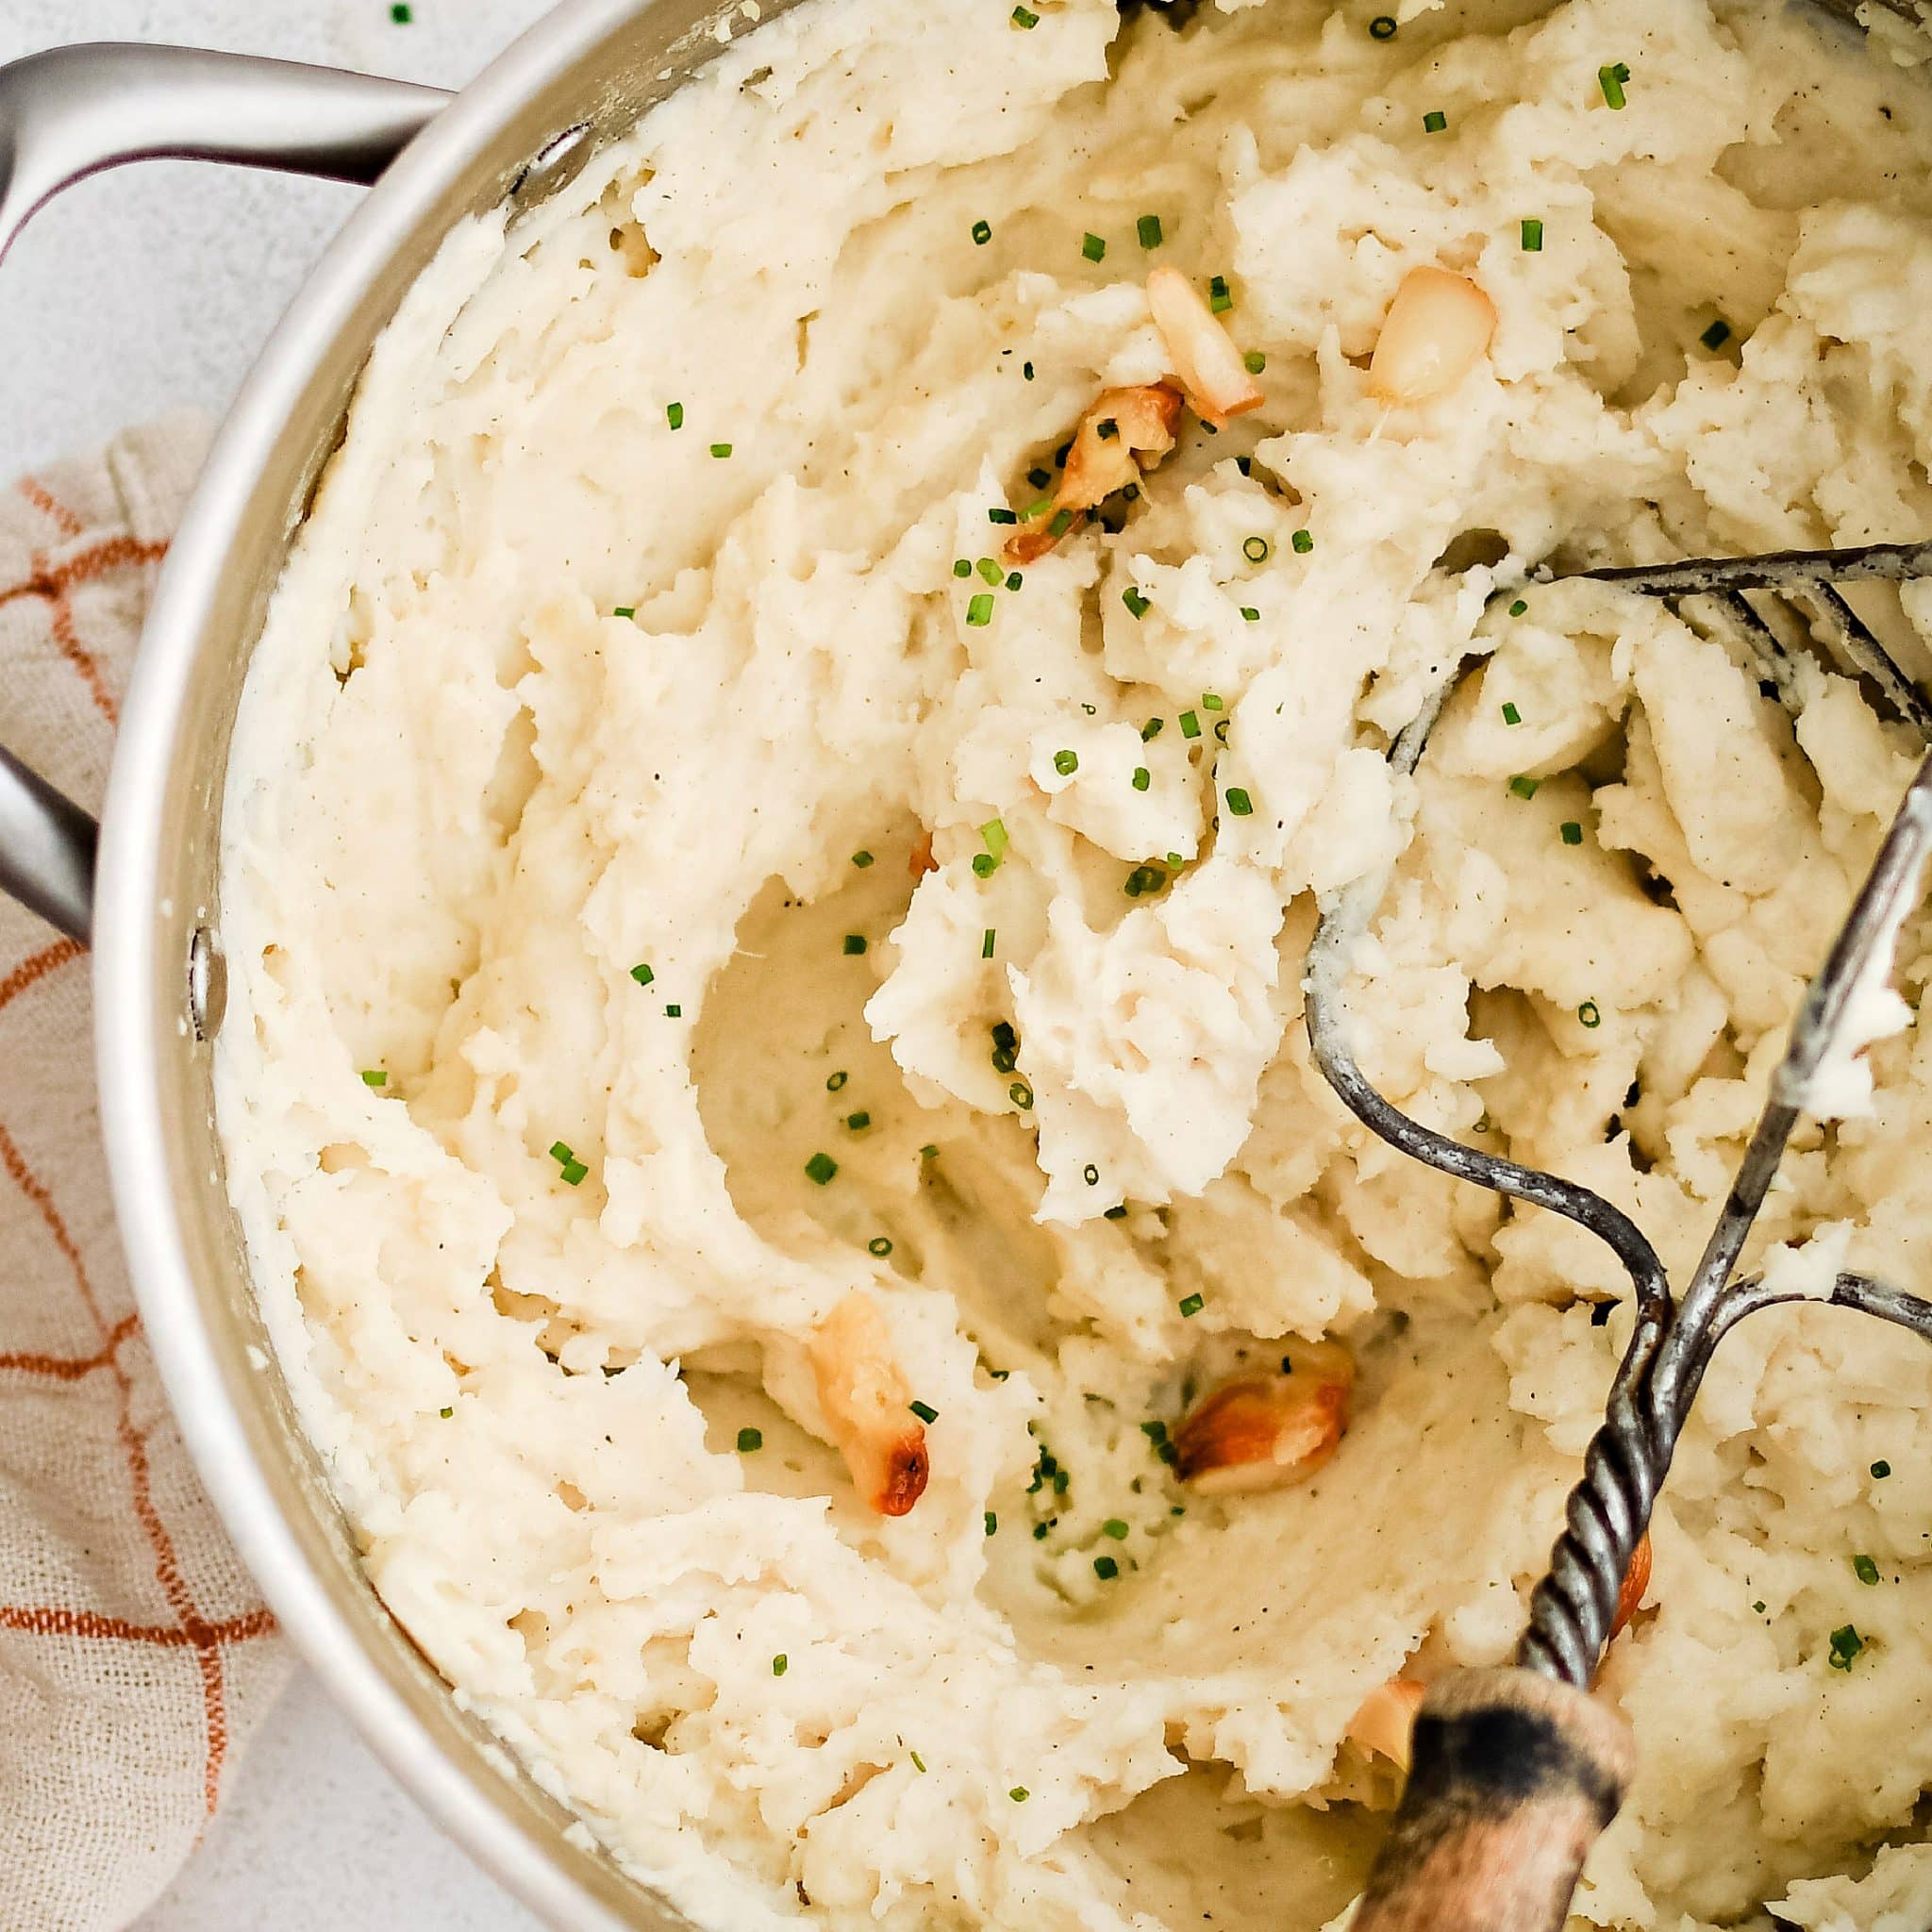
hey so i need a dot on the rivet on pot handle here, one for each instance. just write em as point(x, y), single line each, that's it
point(74, 111)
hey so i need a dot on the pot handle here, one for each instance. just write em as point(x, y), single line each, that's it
point(72, 112)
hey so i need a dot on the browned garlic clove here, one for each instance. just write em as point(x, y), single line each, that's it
point(868, 1407)
point(1436, 331)
point(1266, 1431)
point(1206, 361)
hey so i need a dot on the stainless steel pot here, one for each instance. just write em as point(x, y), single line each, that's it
point(149, 901)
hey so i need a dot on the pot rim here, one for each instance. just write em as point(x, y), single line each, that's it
point(129, 1012)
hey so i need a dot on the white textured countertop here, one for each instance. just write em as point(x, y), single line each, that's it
point(132, 294)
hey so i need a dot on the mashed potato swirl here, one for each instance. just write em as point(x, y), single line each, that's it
point(679, 875)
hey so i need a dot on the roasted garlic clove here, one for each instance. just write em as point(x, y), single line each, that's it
point(1266, 1431)
point(1206, 361)
point(1385, 1722)
point(868, 1407)
point(1436, 331)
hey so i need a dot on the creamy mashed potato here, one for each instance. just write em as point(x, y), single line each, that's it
point(679, 875)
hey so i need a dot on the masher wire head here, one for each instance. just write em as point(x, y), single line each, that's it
point(1671, 1340)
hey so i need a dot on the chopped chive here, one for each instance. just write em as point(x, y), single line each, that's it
point(979, 611)
point(1238, 803)
point(674, 414)
point(1881, 1470)
point(1517, 607)
point(1066, 762)
point(623, 610)
point(961, 567)
point(855, 944)
point(402, 12)
point(986, 942)
point(862, 859)
point(1148, 230)
point(780, 1664)
point(1190, 724)
point(1025, 19)
point(1845, 1645)
point(1144, 879)
point(1137, 605)
point(1255, 549)
point(1253, 361)
point(1038, 507)
point(1382, 27)
point(1114, 1527)
point(929, 1152)
point(1435, 121)
point(918, 1762)
point(1532, 236)
point(992, 1524)
point(1000, 515)
point(1020, 1793)
point(642, 974)
point(1865, 1570)
point(1717, 335)
point(1092, 247)
point(1026, 370)
point(1611, 80)
point(1571, 831)
point(1062, 522)
point(995, 833)
point(835, 1081)
point(375, 1076)
point(1192, 1305)
point(859, 1122)
point(1510, 714)
point(1106, 1569)
point(820, 1168)
point(1523, 788)
point(1250, 614)
point(982, 232)
point(1156, 1432)
point(1219, 300)
point(926, 1413)
point(721, 450)
point(1759, 1606)
point(673, 1012)
point(1591, 1013)
point(1090, 1174)
point(990, 573)
point(572, 1174)
point(879, 1245)
point(750, 1441)
point(445, 1413)
point(1040, 1532)
point(1212, 701)
point(1020, 1095)
point(1142, 778)
point(560, 1151)
point(984, 865)
point(1151, 730)
point(1302, 542)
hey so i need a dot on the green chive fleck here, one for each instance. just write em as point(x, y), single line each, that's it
point(1532, 236)
point(820, 1168)
point(961, 567)
point(879, 1245)
point(1382, 27)
point(1302, 542)
point(721, 450)
point(1573, 832)
point(445, 1413)
point(1845, 1645)
point(1611, 80)
point(1219, 300)
point(1881, 1470)
point(1865, 1570)
point(1001, 515)
point(1151, 730)
point(1717, 335)
point(862, 859)
point(1020, 1793)
point(1523, 788)
point(1106, 1569)
point(674, 414)
point(623, 610)
point(1020, 1095)
point(1238, 803)
point(402, 12)
point(918, 1762)
point(1142, 778)
point(1517, 608)
point(1114, 1527)
point(1092, 247)
point(991, 572)
point(1137, 605)
point(375, 1076)
point(1435, 121)
point(1253, 361)
point(1250, 614)
point(982, 232)
point(1025, 19)
point(642, 974)
point(1148, 230)
point(992, 1524)
point(1066, 762)
point(1255, 549)
point(979, 611)
point(780, 1664)
point(1192, 1305)
point(1591, 1014)
point(673, 1012)
point(924, 1412)
point(1190, 724)
point(985, 939)
point(1511, 715)
point(835, 1081)
point(750, 1442)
